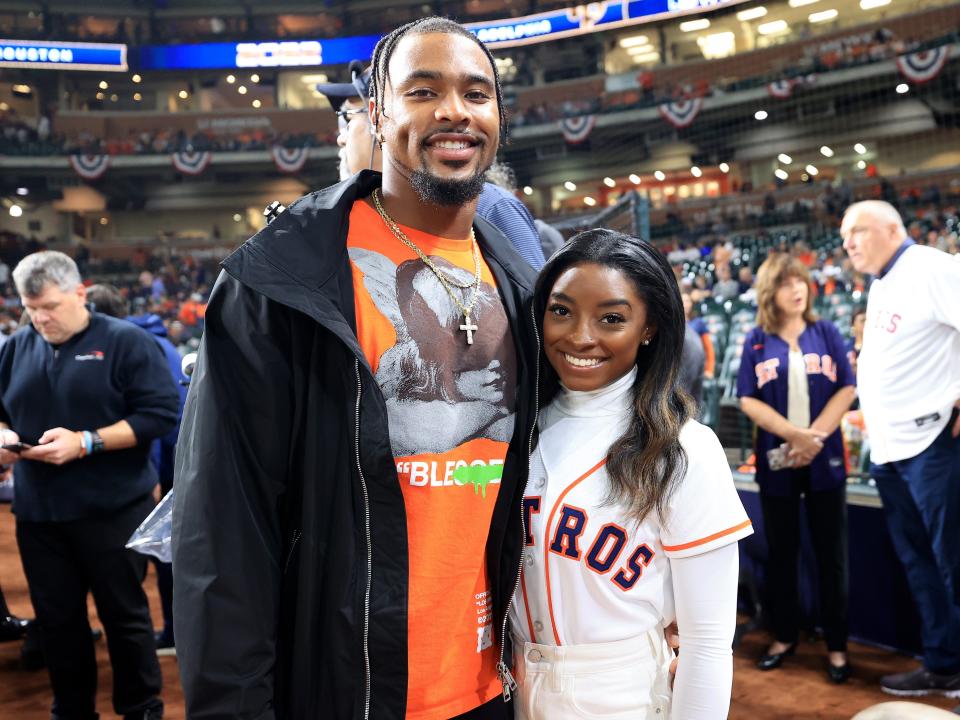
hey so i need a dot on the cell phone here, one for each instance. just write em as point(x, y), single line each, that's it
point(17, 447)
point(777, 458)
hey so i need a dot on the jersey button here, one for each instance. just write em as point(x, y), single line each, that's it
point(529, 558)
point(540, 482)
point(538, 626)
point(534, 655)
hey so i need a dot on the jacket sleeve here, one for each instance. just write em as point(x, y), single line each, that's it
point(231, 472)
point(148, 389)
point(515, 221)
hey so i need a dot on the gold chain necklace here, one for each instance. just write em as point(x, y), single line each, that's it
point(444, 279)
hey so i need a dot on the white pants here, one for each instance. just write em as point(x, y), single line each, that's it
point(622, 680)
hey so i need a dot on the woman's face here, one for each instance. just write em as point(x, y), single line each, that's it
point(791, 297)
point(593, 326)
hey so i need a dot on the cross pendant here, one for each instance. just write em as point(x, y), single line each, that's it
point(468, 328)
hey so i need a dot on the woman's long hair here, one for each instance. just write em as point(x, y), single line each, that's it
point(770, 275)
point(646, 462)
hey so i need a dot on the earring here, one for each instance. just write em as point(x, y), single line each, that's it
point(645, 341)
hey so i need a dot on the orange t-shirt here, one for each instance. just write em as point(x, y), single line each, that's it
point(450, 409)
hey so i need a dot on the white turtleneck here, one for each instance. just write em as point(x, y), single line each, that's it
point(593, 575)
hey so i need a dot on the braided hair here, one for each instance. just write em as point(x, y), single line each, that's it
point(382, 53)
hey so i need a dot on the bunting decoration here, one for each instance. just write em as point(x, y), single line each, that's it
point(925, 65)
point(90, 167)
point(289, 160)
point(577, 129)
point(681, 113)
point(780, 89)
point(191, 162)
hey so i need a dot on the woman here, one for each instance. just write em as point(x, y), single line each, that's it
point(795, 383)
point(630, 510)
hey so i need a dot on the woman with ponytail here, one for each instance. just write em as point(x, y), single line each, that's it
point(630, 512)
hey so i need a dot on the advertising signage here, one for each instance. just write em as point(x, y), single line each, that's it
point(63, 55)
point(542, 27)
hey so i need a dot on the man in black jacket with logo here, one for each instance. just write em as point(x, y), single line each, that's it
point(86, 394)
point(347, 527)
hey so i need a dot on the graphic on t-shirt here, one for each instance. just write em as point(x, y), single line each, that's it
point(438, 395)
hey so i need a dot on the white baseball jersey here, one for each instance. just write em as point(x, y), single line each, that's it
point(590, 574)
point(908, 372)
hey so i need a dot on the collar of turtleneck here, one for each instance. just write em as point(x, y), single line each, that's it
point(611, 400)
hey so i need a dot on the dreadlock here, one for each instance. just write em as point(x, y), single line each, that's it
point(424, 26)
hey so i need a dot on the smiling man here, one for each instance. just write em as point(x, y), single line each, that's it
point(347, 529)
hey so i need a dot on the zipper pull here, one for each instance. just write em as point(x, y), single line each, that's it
point(506, 679)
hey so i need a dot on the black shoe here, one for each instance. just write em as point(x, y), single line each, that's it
point(13, 628)
point(921, 682)
point(154, 712)
point(839, 673)
point(31, 654)
point(772, 661)
point(165, 645)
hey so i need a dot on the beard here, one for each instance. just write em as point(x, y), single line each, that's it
point(446, 192)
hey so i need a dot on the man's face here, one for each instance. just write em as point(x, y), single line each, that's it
point(55, 314)
point(440, 119)
point(355, 140)
point(869, 240)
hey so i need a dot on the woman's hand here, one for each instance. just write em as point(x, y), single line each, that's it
point(805, 444)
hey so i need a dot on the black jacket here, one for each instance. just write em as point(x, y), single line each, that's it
point(289, 535)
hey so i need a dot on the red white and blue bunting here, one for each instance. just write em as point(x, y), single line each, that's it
point(782, 89)
point(577, 129)
point(289, 160)
point(925, 65)
point(191, 162)
point(681, 113)
point(90, 167)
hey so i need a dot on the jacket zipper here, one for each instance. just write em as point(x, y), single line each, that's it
point(293, 546)
point(506, 677)
point(366, 519)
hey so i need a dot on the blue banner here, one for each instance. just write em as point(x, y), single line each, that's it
point(592, 17)
point(302, 53)
point(63, 55)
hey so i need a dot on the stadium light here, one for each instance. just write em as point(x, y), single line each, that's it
point(781, 173)
point(570, 186)
point(826, 151)
point(137, 97)
point(231, 79)
point(784, 158)
point(801, 3)
point(640, 50)
point(16, 211)
point(871, 4)
point(694, 25)
point(660, 176)
point(136, 78)
point(104, 85)
point(634, 41)
point(527, 190)
point(724, 168)
point(696, 172)
point(242, 89)
point(645, 58)
point(812, 170)
point(822, 16)
point(23, 191)
point(860, 149)
point(773, 28)
point(114, 97)
point(256, 102)
point(609, 182)
point(634, 178)
point(254, 78)
point(861, 165)
point(183, 94)
point(237, 217)
point(761, 115)
point(751, 13)
point(718, 45)
point(100, 96)
point(903, 88)
point(589, 201)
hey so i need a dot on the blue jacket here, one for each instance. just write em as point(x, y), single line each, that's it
point(763, 375)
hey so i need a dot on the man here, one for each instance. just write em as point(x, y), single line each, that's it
point(358, 151)
point(347, 530)
point(725, 288)
point(88, 392)
point(908, 378)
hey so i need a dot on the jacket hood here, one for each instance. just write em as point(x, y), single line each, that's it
point(151, 323)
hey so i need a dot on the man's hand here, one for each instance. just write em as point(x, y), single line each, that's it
point(57, 446)
point(956, 426)
point(8, 437)
point(805, 445)
point(672, 635)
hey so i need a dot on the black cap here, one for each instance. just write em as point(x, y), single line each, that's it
point(357, 89)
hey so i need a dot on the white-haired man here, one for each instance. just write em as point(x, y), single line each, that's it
point(908, 378)
point(81, 397)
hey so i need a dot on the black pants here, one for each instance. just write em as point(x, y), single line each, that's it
point(63, 561)
point(827, 522)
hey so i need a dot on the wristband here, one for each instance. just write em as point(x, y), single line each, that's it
point(96, 442)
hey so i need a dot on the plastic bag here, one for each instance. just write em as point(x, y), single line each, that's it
point(153, 535)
